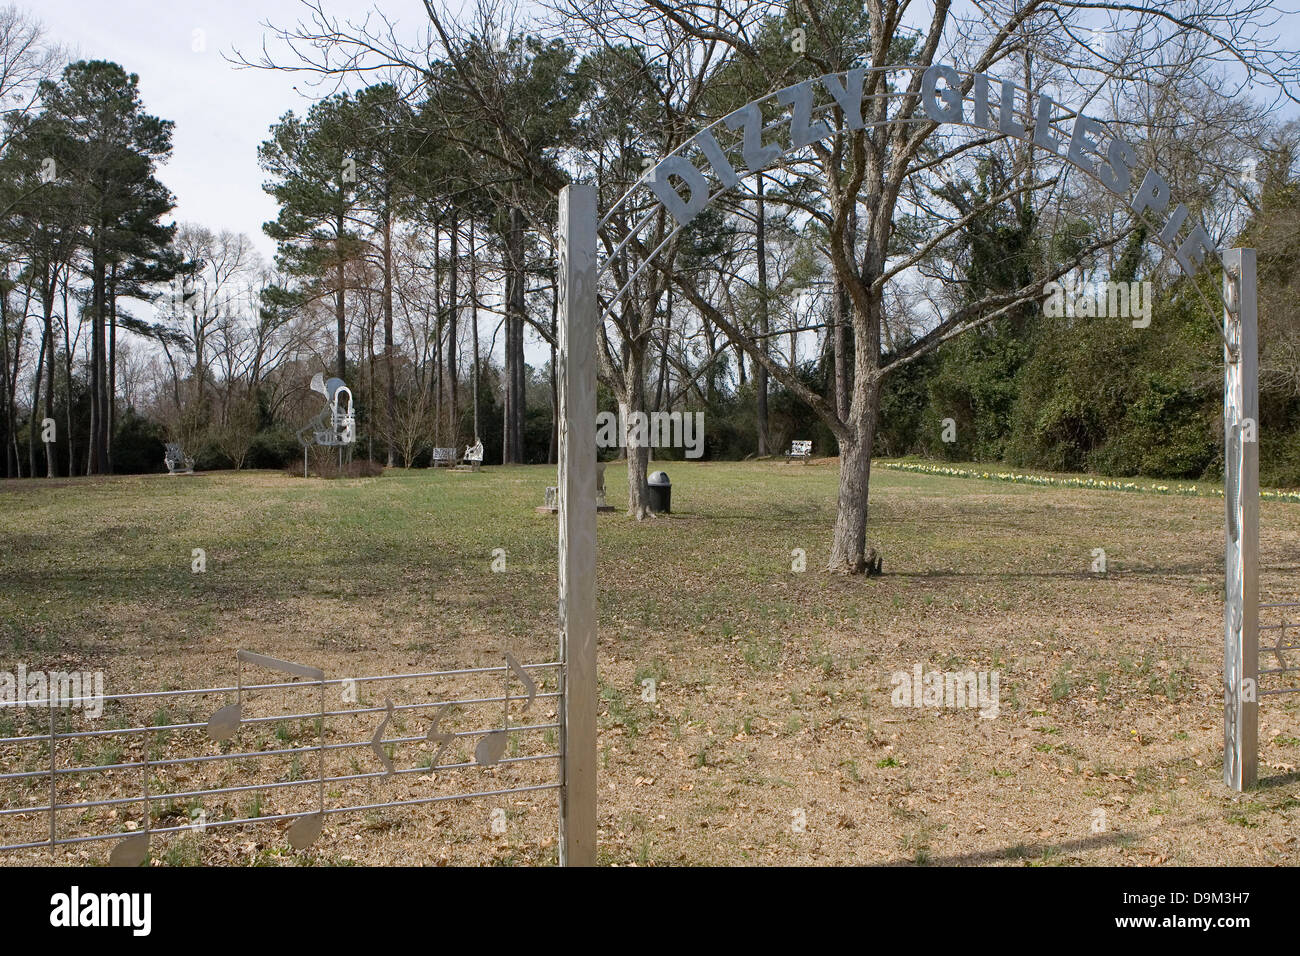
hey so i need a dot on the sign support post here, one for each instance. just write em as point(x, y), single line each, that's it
point(1241, 511)
point(576, 485)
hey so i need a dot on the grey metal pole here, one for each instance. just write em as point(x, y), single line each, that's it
point(1241, 508)
point(576, 485)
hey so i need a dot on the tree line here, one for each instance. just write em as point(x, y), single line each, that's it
point(879, 290)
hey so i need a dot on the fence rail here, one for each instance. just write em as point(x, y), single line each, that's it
point(154, 764)
point(1285, 649)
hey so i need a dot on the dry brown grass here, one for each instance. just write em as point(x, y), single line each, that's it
point(773, 690)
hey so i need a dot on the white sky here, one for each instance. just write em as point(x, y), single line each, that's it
point(221, 113)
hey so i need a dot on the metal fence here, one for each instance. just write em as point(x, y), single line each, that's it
point(295, 752)
point(1279, 648)
point(291, 755)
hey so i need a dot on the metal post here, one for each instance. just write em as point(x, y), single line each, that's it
point(576, 484)
point(1241, 506)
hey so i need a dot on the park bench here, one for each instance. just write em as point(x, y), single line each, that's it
point(444, 456)
point(802, 450)
point(176, 461)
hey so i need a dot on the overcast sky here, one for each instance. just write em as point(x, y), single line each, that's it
point(221, 113)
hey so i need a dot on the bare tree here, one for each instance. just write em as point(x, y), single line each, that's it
point(866, 170)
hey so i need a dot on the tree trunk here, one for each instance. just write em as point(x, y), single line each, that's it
point(33, 422)
point(514, 365)
point(839, 313)
point(340, 279)
point(638, 456)
point(98, 412)
point(849, 542)
point(848, 545)
point(436, 385)
point(520, 406)
point(453, 293)
point(435, 379)
point(711, 373)
point(67, 371)
point(473, 305)
point(47, 306)
point(370, 361)
point(11, 437)
point(661, 384)
point(507, 365)
point(764, 319)
point(110, 374)
point(842, 318)
point(391, 383)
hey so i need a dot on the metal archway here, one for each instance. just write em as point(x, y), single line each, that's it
point(1108, 161)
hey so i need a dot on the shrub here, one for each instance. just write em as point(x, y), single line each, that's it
point(327, 466)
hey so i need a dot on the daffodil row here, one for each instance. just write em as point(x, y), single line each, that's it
point(1102, 484)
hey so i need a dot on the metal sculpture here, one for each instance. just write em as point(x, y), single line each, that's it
point(335, 426)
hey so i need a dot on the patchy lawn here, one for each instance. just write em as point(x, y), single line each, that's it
point(771, 737)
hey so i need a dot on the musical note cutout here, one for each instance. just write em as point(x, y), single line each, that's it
point(492, 748)
point(134, 850)
point(303, 832)
point(377, 741)
point(223, 724)
point(226, 721)
point(131, 851)
point(444, 740)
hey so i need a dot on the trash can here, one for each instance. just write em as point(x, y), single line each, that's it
point(661, 493)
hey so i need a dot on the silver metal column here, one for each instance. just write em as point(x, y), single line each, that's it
point(576, 484)
point(1241, 506)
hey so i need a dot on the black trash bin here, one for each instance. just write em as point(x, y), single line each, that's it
point(661, 493)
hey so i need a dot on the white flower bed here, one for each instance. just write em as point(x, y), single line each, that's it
point(1104, 484)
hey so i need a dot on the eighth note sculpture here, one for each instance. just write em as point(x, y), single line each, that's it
point(492, 748)
point(134, 849)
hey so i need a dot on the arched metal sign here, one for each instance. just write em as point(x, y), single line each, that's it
point(697, 172)
point(686, 181)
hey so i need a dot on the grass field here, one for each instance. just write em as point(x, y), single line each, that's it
point(773, 695)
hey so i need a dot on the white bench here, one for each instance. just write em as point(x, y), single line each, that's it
point(176, 461)
point(801, 450)
point(444, 456)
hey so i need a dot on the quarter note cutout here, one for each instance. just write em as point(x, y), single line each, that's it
point(303, 832)
point(493, 747)
point(377, 741)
